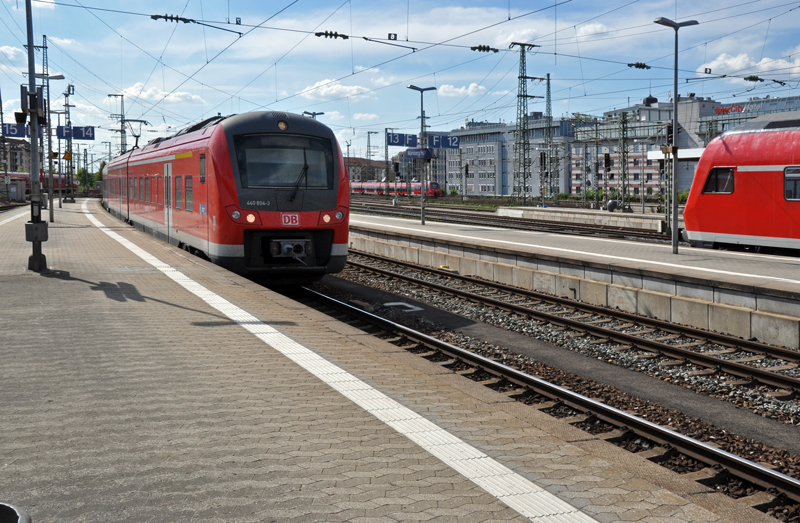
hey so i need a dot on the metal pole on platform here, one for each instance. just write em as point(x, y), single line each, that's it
point(674, 25)
point(35, 230)
point(423, 145)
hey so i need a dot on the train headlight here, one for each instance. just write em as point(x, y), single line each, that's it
point(251, 218)
point(339, 215)
point(326, 218)
point(283, 125)
point(236, 215)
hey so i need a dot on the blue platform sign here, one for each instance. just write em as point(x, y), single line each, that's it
point(401, 140)
point(76, 133)
point(419, 153)
point(13, 130)
point(442, 142)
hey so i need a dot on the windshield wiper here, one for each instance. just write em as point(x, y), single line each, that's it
point(303, 174)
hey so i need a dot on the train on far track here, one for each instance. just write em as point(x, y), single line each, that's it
point(400, 188)
point(264, 194)
point(746, 190)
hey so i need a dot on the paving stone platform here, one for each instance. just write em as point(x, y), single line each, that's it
point(140, 383)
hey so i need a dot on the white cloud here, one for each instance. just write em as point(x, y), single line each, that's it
point(500, 93)
point(382, 81)
point(365, 116)
point(590, 29)
point(154, 94)
point(451, 90)
point(331, 89)
point(63, 42)
point(360, 68)
point(13, 53)
point(726, 63)
point(503, 40)
point(334, 115)
point(44, 4)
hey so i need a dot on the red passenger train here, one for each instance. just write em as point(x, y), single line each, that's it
point(433, 188)
point(746, 189)
point(263, 194)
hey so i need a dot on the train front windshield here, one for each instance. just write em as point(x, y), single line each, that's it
point(268, 160)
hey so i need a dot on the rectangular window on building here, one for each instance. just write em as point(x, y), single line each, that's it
point(791, 183)
point(179, 192)
point(636, 162)
point(649, 163)
point(189, 206)
point(719, 181)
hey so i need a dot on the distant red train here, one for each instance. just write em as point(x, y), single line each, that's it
point(746, 190)
point(432, 188)
point(262, 193)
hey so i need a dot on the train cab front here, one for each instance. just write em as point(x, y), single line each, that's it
point(288, 197)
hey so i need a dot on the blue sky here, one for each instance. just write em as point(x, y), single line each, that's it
point(173, 74)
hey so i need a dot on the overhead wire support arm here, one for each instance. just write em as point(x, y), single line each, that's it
point(414, 49)
point(175, 18)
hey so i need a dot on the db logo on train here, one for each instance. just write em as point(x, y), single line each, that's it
point(289, 220)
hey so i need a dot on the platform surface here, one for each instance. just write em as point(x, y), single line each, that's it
point(740, 268)
point(140, 383)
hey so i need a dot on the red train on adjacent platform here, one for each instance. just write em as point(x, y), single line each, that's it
point(262, 194)
point(746, 189)
point(432, 188)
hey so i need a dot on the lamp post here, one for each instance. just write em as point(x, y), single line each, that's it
point(674, 148)
point(312, 114)
point(47, 78)
point(60, 174)
point(424, 141)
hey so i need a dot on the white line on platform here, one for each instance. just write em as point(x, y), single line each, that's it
point(477, 239)
point(26, 213)
point(517, 492)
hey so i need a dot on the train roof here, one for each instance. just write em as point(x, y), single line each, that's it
point(776, 121)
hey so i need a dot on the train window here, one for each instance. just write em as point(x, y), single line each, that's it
point(158, 190)
point(202, 168)
point(267, 160)
point(719, 181)
point(791, 183)
point(147, 189)
point(141, 189)
point(178, 192)
point(189, 193)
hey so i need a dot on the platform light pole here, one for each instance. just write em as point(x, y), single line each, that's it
point(47, 78)
point(674, 147)
point(423, 139)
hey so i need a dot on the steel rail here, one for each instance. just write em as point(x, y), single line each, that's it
point(735, 369)
point(703, 452)
point(686, 330)
point(518, 223)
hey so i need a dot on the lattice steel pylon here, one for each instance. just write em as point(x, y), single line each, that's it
point(522, 147)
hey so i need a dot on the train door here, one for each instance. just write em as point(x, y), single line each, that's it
point(167, 200)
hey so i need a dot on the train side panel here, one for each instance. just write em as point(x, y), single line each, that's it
point(744, 191)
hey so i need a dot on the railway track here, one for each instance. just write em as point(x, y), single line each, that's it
point(707, 463)
point(485, 218)
point(735, 361)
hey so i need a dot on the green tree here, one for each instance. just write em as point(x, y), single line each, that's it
point(98, 177)
point(85, 179)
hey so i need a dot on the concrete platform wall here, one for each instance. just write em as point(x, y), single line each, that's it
point(770, 318)
point(648, 221)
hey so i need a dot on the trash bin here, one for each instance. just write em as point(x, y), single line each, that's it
point(11, 514)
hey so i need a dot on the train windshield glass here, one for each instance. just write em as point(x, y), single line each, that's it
point(268, 160)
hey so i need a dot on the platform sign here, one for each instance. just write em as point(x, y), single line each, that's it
point(14, 130)
point(419, 153)
point(442, 142)
point(401, 140)
point(76, 133)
